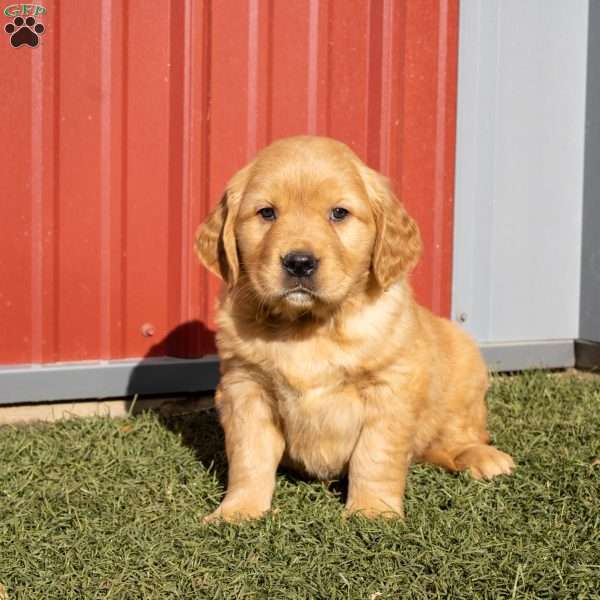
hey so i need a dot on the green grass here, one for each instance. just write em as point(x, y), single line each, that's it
point(99, 508)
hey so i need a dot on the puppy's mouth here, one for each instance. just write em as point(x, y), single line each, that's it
point(300, 296)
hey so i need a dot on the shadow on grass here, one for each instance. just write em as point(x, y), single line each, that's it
point(189, 415)
point(202, 433)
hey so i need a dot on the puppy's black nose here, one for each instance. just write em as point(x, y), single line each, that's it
point(299, 264)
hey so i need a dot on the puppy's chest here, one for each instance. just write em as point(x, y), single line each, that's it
point(304, 374)
point(321, 426)
point(321, 409)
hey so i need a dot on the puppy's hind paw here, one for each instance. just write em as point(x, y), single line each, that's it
point(484, 462)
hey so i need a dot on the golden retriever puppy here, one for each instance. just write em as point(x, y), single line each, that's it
point(327, 362)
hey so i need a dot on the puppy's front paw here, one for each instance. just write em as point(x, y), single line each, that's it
point(485, 462)
point(235, 512)
point(374, 509)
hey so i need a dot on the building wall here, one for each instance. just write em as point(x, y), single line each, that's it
point(124, 124)
point(519, 169)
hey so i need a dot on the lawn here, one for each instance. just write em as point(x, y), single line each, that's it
point(100, 508)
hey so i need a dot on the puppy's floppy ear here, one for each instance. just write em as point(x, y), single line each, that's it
point(215, 238)
point(397, 242)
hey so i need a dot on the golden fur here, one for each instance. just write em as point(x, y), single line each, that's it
point(348, 375)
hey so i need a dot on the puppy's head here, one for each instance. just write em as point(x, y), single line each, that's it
point(305, 225)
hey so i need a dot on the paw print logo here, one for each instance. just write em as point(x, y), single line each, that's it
point(24, 31)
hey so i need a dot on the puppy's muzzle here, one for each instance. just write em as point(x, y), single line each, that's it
point(300, 264)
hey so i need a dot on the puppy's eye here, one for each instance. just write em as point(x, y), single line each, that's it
point(338, 214)
point(268, 213)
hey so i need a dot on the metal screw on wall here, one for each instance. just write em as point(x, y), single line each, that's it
point(147, 330)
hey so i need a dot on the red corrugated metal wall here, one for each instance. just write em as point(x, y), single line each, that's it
point(120, 129)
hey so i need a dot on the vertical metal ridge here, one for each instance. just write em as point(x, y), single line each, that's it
point(386, 87)
point(56, 338)
point(313, 66)
point(439, 172)
point(37, 212)
point(124, 165)
point(324, 58)
point(471, 207)
point(401, 91)
point(589, 283)
point(177, 166)
point(117, 175)
point(186, 199)
point(105, 176)
point(327, 104)
point(206, 135)
point(252, 107)
point(491, 309)
point(269, 74)
point(373, 90)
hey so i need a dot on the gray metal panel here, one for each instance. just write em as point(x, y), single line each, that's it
point(106, 379)
point(516, 356)
point(587, 355)
point(114, 379)
point(519, 176)
point(589, 327)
